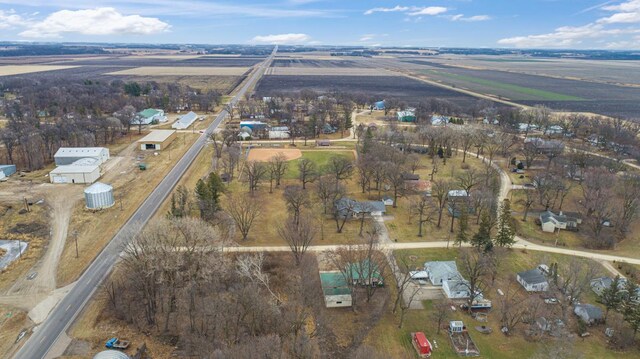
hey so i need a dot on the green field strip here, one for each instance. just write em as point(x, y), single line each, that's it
point(540, 94)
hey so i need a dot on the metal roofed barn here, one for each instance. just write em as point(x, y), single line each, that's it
point(157, 140)
point(69, 155)
point(185, 121)
point(75, 174)
point(99, 196)
point(336, 291)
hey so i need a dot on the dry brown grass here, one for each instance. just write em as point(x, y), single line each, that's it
point(95, 229)
point(9, 220)
point(9, 70)
point(12, 321)
point(182, 71)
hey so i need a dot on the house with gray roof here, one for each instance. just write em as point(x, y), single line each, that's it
point(456, 288)
point(550, 222)
point(352, 208)
point(533, 280)
point(440, 271)
point(589, 313)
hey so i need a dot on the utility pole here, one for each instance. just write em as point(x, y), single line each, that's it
point(75, 236)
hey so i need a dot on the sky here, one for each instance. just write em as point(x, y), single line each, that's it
point(575, 24)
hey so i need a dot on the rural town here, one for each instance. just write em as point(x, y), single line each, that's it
point(170, 193)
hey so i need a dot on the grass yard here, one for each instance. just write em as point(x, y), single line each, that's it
point(387, 338)
point(515, 89)
point(320, 157)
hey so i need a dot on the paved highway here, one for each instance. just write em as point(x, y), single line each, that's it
point(63, 315)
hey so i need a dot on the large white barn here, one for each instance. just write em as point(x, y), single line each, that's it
point(69, 155)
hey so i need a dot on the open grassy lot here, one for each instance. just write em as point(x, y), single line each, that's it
point(403, 227)
point(319, 157)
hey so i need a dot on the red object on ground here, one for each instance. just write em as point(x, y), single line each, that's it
point(422, 344)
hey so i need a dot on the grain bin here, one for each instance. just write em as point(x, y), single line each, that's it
point(111, 354)
point(99, 195)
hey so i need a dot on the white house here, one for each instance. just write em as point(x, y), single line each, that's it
point(439, 271)
point(533, 280)
point(439, 120)
point(456, 288)
point(555, 130)
point(69, 155)
point(550, 222)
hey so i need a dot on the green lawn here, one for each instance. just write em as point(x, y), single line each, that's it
point(319, 157)
point(539, 94)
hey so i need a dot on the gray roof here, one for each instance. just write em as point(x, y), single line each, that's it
point(157, 136)
point(359, 207)
point(74, 169)
point(588, 311)
point(533, 276)
point(79, 151)
point(98, 187)
point(458, 284)
point(548, 215)
point(442, 269)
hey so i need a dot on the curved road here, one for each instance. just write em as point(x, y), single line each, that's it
point(62, 316)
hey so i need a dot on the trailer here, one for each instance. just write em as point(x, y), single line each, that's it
point(115, 343)
point(421, 344)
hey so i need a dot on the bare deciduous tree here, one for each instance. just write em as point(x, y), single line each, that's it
point(307, 171)
point(298, 233)
point(244, 209)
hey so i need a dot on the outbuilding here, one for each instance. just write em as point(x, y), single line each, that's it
point(533, 280)
point(75, 174)
point(70, 155)
point(7, 170)
point(422, 344)
point(337, 293)
point(185, 121)
point(408, 115)
point(148, 117)
point(157, 140)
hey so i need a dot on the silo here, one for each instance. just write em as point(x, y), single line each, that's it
point(111, 354)
point(99, 195)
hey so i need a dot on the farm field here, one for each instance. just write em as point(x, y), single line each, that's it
point(181, 71)
point(374, 86)
point(214, 72)
point(315, 63)
point(9, 70)
point(327, 71)
point(611, 72)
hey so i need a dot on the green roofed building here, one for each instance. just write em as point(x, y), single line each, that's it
point(365, 273)
point(408, 115)
point(149, 116)
point(337, 293)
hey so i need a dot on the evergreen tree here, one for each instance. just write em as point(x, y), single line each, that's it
point(631, 307)
point(506, 231)
point(208, 194)
point(482, 238)
point(463, 227)
point(611, 297)
point(179, 203)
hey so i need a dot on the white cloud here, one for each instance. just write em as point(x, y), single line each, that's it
point(475, 18)
point(282, 39)
point(99, 21)
point(9, 19)
point(397, 8)
point(410, 10)
point(430, 10)
point(366, 38)
point(607, 28)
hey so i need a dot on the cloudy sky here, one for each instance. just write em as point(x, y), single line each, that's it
point(466, 23)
